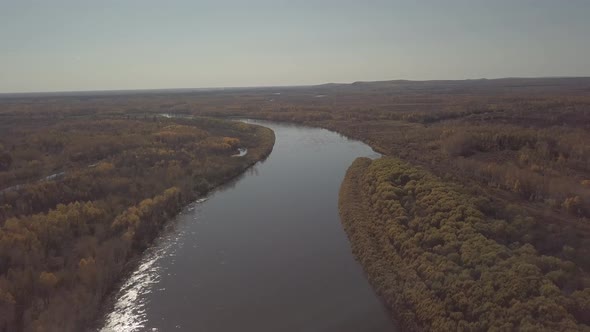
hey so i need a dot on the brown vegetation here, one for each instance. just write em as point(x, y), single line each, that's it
point(81, 197)
point(443, 263)
point(514, 150)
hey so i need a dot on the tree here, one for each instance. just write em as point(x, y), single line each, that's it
point(5, 159)
point(47, 283)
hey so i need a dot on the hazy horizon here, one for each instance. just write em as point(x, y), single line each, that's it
point(277, 86)
point(67, 46)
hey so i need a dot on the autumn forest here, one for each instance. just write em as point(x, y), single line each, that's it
point(476, 217)
point(83, 196)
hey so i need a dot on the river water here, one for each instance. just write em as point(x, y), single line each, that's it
point(264, 253)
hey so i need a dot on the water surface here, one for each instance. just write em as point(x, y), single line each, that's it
point(265, 253)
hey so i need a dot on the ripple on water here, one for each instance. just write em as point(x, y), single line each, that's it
point(128, 313)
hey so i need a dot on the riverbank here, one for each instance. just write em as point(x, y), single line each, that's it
point(68, 240)
point(255, 154)
point(438, 257)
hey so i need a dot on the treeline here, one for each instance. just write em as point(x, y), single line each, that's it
point(549, 166)
point(442, 261)
point(65, 240)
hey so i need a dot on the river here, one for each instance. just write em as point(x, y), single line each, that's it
point(266, 252)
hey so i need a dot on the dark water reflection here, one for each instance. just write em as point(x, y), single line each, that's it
point(266, 253)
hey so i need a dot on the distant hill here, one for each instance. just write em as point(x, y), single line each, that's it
point(477, 86)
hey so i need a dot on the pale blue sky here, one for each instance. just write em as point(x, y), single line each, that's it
point(102, 45)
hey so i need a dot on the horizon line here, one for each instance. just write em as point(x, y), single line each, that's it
point(219, 88)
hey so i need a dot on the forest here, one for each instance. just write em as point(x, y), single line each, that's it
point(446, 260)
point(477, 217)
point(82, 197)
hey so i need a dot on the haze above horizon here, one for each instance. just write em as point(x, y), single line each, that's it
point(111, 45)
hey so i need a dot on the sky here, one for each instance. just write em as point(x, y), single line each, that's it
point(78, 45)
